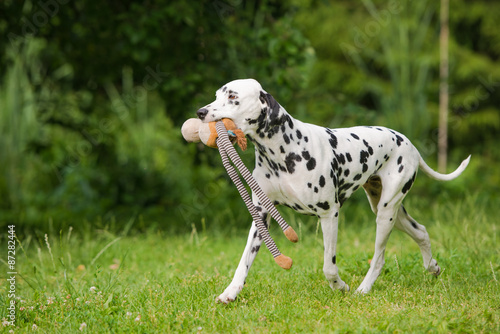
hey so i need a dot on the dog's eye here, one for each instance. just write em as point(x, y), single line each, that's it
point(231, 97)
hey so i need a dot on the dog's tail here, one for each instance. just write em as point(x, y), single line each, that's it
point(443, 177)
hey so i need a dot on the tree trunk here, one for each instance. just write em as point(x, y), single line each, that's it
point(443, 89)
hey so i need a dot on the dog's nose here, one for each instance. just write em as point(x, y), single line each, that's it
point(202, 113)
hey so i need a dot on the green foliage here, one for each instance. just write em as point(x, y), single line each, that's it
point(123, 158)
point(19, 127)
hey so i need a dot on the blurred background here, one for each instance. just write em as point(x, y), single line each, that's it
point(93, 94)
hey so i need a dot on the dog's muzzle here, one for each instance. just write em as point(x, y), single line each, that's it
point(202, 113)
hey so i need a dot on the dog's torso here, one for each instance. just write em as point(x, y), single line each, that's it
point(312, 169)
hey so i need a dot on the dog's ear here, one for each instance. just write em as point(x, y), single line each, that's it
point(273, 108)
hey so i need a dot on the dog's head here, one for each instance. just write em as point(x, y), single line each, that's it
point(245, 102)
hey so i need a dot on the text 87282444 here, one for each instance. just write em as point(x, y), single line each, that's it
point(11, 274)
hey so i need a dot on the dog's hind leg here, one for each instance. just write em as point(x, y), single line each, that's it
point(385, 199)
point(418, 233)
point(251, 249)
point(385, 223)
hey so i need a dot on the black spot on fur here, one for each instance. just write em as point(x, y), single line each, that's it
point(289, 120)
point(354, 136)
point(290, 160)
point(363, 157)
point(333, 143)
point(414, 224)
point(286, 139)
point(340, 158)
point(399, 140)
point(323, 205)
point(348, 156)
point(311, 164)
point(306, 155)
point(400, 160)
point(333, 140)
point(335, 164)
point(273, 117)
point(299, 134)
point(343, 188)
point(322, 181)
point(316, 189)
point(401, 168)
point(282, 150)
point(357, 177)
point(334, 259)
point(370, 149)
point(341, 199)
point(408, 184)
point(309, 185)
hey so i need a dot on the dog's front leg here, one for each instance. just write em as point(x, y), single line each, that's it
point(252, 248)
point(329, 225)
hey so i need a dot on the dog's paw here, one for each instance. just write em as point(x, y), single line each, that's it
point(434, 269)
point(346, 288)
point(362, 290)
point(230, 294)
point(438, 272)
point(341, 286)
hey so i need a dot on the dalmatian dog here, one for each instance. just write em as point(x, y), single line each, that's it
point(314, 170)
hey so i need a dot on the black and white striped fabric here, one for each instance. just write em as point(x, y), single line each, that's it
point(226, 149)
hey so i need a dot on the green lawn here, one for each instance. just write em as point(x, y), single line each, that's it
point(100, 281)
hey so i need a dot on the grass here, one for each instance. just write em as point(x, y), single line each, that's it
point(102, 282)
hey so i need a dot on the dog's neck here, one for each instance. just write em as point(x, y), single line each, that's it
point(272, 133)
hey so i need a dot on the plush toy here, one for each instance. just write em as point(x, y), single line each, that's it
point(216, 135)
point(194, 130)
